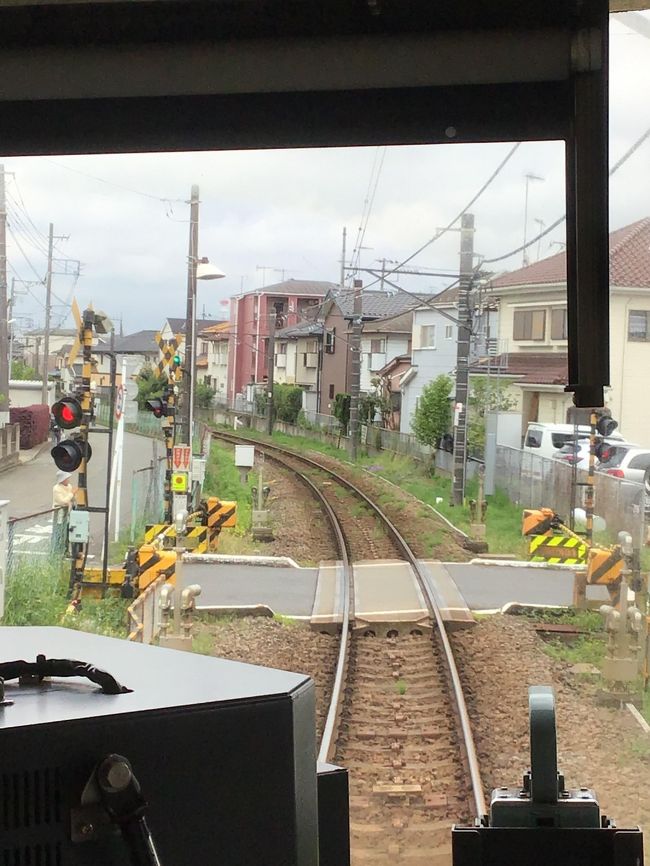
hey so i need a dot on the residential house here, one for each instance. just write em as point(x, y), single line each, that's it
point(289, 302)
point(390, 382)
point(386, 320)
point(297, 360)
point(133, 350)
point(212, 360)
point(34, 346)
point(533, 332)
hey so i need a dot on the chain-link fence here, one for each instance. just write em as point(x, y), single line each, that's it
point(31, 538)
point(536, 482)
point(147, 487)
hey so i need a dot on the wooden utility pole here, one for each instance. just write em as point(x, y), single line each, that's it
point(48, 310)
point(355, 367)
point(190, 319)
point(5, 361)
point(462, 358)
point(270, 364)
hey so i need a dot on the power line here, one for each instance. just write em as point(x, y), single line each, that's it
point(458, 216)
point(368, 203)
point(628, 153)
point(24, 255)
point(116, 185)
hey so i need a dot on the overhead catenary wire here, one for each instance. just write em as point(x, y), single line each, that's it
point(377, 166)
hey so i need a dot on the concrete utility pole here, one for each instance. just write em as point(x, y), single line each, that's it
point(190, 316)
point(355, 366)
point(48, 310)
point(270, 364)
point(462, 357)
point(5, 361)
point(342, 277)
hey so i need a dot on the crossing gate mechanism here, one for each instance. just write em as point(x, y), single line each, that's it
point(550, 540)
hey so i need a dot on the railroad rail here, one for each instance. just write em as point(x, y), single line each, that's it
point(368, 724)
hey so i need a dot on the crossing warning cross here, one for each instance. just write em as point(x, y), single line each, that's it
point(168, 349)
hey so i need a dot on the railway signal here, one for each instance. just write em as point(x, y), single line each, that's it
point(158, 405)
point(69, 454)
point(67, 413)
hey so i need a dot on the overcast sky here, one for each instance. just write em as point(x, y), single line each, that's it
point(128, 223)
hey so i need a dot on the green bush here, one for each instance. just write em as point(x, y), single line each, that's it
point(287, 402)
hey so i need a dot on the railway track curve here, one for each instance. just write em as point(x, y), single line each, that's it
point(397, 718)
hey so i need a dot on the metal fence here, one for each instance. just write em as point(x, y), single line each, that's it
point(536, 482)
point(145, 614)
point(30, 538)
point(147, 487)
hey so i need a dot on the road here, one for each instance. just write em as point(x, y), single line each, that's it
point(290, 591)
point(29, 489)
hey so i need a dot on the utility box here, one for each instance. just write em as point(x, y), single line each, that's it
point(198, 469)
point(245, 456)
point(79, 526)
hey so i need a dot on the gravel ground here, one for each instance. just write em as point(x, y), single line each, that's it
point(600, 748)
point(284, 645)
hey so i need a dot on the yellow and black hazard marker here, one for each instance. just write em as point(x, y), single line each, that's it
point(152, 563)
point(556, 549)
point(169, 352)
point(605, 565)
point(218, 515)
point(153, 530)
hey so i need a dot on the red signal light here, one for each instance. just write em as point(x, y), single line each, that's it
point(67, 413)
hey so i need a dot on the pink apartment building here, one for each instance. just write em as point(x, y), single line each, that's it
point(290, 302)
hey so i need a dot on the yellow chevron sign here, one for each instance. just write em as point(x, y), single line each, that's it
point(605, 565)
point(557, 549)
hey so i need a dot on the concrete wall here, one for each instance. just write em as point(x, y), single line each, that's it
point(430, 362)
point(9, 448)
point(27, 393)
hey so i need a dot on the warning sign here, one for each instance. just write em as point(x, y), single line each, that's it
point(179, 482)
point(181, 457)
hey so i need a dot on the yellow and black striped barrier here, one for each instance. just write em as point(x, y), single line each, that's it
point(219, 515)
point(538, 521)
point(605, 565)
point(558, 549)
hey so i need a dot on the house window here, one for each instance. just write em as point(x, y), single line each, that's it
point(312, 347)
point(529, 324)
point(637, 326)
point(204, 347)
point(449, 332)
point(330, 341)
point(282, 349)
point(331, 392)
point(428, 337)
point(559, 324)
point(377, 347)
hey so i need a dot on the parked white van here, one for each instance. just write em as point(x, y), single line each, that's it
point(545, 439)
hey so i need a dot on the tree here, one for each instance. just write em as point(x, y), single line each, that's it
point(287, 402)
point(150, 385)
point(486, 394)
point(203, 395)
point(432, 417)
point(341, 410)
point(22, 371)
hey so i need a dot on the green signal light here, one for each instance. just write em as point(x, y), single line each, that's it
point(177, 359)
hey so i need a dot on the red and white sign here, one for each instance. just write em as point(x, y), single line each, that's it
point(181, 458)
point(119, 403)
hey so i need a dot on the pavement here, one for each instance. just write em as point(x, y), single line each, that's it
point(28, 486)
point(290, 591)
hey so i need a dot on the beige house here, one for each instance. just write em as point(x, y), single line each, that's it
point(212, 359)
point(532, 335)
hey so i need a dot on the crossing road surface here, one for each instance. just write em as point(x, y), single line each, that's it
point(29, 489)
point(290, 591)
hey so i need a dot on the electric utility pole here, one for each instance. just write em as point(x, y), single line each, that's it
point(190, 317)
point(355, 366)
point(48, 310)
point(342, 277)
point(5, 361)
point(270, 363)
point(462, 357)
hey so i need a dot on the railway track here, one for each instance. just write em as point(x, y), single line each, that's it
point(397, 718)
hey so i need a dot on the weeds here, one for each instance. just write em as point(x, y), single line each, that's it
point(400, 687)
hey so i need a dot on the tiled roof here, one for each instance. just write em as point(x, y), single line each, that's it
point(378, 305)
point(215, 331)
point(317, 288)
point(539, 368)
point(140, 343)
point(304, 329)
point(629, 262)
point(202, 361)
point(178, 325)
point(400, 324)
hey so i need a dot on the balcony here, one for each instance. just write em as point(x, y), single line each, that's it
point(310, 359)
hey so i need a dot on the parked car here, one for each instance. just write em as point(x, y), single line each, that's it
point(632, 464)
point(576, 451)
point(543, 440)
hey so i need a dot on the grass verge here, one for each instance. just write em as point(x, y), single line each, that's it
point(503, 517)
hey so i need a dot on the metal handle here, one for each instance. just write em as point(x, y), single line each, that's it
point(543, 745)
